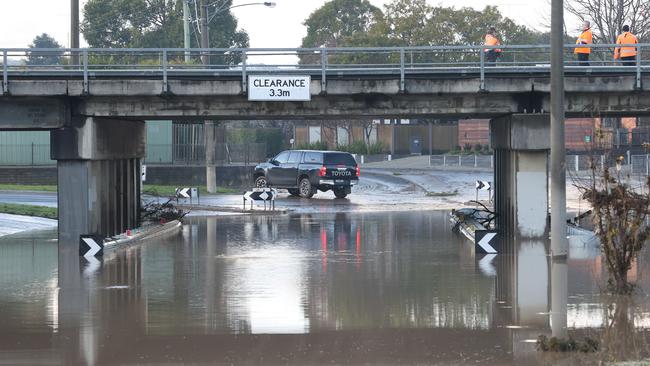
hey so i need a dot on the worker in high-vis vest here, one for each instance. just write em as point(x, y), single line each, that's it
point(491, 40)
point(586, 37)
point(627, 54)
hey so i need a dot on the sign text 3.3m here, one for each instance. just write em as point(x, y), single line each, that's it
point(278, 88)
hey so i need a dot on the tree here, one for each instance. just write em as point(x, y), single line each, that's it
point(47, 57)
point(331, 24)
point(608, 17)
point(155, 24)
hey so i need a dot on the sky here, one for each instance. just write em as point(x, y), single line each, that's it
point(267, 27)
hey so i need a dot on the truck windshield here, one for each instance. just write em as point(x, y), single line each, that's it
point(339, 159)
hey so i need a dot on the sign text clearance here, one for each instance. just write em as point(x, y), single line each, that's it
point(278, 88)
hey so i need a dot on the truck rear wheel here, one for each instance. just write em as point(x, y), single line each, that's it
point(305, 188)
point(261, 182)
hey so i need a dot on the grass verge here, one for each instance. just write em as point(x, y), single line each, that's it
point(24, 187)
point(29, 210)
point(154, 190)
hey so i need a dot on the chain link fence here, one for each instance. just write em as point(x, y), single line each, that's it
point(194, 154)
point(25, 155)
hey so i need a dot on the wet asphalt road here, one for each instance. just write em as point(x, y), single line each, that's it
point(378, 191)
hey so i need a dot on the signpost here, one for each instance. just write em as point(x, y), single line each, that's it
point(269, 88)
point(261, 194)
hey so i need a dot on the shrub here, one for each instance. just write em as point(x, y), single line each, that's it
point(311, 146)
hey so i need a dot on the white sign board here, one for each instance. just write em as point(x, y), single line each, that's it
point(278, 88)
point(144, 173)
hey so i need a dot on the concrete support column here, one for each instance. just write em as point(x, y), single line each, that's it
point(521, 147)
point(98, 164)
point(210, 134)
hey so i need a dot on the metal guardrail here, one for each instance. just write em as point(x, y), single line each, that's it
point(166, 63)
point(635, 164)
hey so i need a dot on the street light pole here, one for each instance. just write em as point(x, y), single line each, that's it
point(559, 244)
point(210, 127)
point(74, 30)
point(186, 30)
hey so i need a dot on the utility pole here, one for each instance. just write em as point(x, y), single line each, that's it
point(559, 244)
point(74, 30)
point(186, 30)
point(205, 31)
point(209, 127)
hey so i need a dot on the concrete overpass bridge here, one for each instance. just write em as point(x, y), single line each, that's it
point(96, 110)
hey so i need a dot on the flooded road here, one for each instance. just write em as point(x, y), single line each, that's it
point(383, 288)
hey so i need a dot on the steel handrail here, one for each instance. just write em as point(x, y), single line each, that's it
point(164, 60)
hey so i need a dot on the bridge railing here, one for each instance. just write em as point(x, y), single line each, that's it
point(319, 62)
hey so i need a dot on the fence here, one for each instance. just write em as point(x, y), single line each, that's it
point(194, 154)
point(26, 154)
point(637, 164)
point(461, 161)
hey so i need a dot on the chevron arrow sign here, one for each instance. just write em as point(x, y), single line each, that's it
point(184, 192)
point(483, 185)
point(91, 246)
point(265, 194)
point(486, 241)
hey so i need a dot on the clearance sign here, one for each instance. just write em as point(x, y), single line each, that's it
point(278, 88)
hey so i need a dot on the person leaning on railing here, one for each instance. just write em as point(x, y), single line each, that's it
point(627, 54)
point(586, 37)
point(491, 40)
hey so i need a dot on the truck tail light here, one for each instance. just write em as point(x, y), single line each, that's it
point(358, 171)
point(322, 171)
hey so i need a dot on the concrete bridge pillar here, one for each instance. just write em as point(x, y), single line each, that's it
point(521, 144)
point(98, 164)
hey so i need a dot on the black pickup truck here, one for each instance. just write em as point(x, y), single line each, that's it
point(304, 172)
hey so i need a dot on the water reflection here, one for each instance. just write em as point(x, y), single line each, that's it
point(399, 288)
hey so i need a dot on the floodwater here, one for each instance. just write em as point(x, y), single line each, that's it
point(386, 288)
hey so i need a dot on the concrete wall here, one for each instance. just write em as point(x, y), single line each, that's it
point(227, 176)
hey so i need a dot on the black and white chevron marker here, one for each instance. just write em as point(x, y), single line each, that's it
point(483, 185)
point(184, 192)
point(264, 194)
point(91, 246)
point(487, 241)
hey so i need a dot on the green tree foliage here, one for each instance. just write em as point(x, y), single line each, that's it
point(155, 23)
point(337, 20)
point(47, 57)
point(413, 23)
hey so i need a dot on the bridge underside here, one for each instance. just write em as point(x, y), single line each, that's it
point(42, 103)
point(98, 137)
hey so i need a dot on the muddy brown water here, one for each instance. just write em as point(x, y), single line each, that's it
point(387, 288)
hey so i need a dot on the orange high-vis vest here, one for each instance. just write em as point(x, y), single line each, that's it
point(625, 38)
point(585, 38)
point(491, 40)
